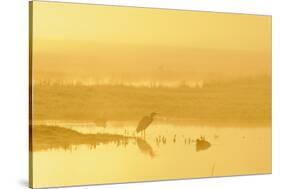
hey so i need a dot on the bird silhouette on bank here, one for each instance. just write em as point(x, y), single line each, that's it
point(145, 122)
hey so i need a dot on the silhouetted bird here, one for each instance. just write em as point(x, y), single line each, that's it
point(145, 122)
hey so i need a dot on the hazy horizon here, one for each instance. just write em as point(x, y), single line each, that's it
point(84, 44)
point(114, 90)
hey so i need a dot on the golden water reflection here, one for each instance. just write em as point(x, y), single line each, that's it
point(76, 154)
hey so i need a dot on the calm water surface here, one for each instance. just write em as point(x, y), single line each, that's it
point(168, 151)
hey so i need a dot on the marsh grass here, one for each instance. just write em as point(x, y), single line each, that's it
point(237, 100)
point(54, 137)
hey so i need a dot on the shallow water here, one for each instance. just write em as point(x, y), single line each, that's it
point(168, 151)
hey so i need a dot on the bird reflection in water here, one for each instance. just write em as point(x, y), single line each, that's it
point(54, 137)
point(144, 147)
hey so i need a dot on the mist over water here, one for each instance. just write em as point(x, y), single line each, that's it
point(202, 130)
point(123, 94)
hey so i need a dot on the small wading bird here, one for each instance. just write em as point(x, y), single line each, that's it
point(145, 122)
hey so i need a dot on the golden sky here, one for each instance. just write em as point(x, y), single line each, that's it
point(112, 24)
point(75, 40)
